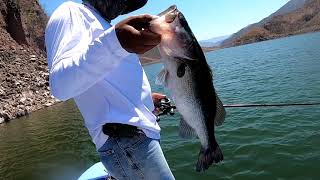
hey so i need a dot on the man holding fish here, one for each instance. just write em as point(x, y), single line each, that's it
point(97, 65)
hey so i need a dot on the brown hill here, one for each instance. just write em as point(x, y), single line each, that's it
point(301, 20)
point(23, 21)
point(23, 66)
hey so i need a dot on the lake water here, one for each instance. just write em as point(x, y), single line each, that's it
point(258, 143)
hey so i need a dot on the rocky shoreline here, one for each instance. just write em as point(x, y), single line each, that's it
point(24, 81)
point(24, 85)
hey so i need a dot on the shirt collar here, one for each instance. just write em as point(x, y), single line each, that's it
point(95, 10)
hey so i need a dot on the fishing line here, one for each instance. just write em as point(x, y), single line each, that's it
point(269, 105)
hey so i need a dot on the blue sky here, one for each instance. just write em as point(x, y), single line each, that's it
point(207, 18)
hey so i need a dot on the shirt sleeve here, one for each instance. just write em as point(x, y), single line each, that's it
point(76, 61)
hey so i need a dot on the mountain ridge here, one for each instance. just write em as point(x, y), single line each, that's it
point(215, 41)
point(292, 18)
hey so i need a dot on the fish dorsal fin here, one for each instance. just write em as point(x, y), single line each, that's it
point(220, 112)
point(162, 77)
point(185, 130)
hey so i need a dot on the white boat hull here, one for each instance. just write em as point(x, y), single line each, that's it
point(95, 172)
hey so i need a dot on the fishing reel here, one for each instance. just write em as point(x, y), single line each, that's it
point(164, 107)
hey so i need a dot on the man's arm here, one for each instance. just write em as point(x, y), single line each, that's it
point(75, 65)
point(75, 62)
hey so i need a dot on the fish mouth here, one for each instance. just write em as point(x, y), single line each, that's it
point(170, 14)
point(162, 24)
point(170, 24)
point(170, 9)
point(170, 17)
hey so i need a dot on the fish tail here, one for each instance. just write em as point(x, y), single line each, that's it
point(207, 157)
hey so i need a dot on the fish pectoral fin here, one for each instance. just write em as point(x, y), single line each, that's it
point(162, 77)
point(186, 131)
point(220, 112)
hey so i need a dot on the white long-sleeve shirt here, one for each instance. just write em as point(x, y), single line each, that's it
point(87, 63)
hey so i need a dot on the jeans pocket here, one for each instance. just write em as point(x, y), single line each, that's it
point(138, 141)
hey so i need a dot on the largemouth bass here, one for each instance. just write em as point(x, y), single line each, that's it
point(188, 77)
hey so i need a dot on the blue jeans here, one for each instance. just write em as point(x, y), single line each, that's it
point(138, 157)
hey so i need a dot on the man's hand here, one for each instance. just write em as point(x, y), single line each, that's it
point(156, 97)
point(134, 36)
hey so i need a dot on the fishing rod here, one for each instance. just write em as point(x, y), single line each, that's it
point(166, 108)
point(269, 105)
